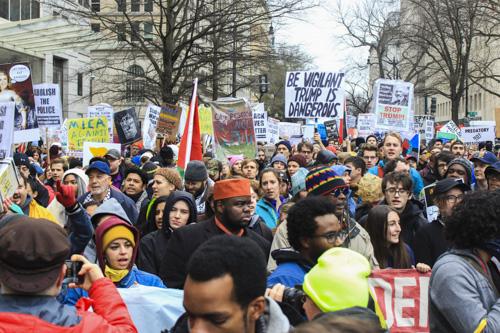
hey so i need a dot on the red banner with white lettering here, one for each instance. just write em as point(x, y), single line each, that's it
point(402, 295)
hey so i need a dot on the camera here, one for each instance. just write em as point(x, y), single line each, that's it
point(294, 297)
point(73, 267)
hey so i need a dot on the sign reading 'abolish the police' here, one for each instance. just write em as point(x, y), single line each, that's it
point(314, 95)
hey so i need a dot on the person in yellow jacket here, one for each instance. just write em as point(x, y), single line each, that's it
point(29, 206)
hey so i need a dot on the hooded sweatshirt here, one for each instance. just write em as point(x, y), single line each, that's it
point(153, 246)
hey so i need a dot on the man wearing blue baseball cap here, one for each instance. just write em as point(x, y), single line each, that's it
point(481, 160)
point(101, 190)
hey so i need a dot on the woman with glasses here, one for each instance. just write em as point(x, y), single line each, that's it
point(384, 227)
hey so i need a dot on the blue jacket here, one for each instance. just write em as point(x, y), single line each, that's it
point(418, 183)
point(291, 268)
point(81, 230)
point(267, 211)
point(71, 296)
point(127, 204)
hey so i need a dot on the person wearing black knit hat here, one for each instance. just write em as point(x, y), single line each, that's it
point(460, 168)
point(197, 182)
point(284, 147)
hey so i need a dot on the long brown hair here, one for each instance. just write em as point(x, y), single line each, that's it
point(376, 225)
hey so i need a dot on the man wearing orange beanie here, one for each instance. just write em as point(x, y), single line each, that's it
point(231, 203)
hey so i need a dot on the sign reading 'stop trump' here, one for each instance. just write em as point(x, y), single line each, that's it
point(314, 95)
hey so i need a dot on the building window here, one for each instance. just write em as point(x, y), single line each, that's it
point(122, 5)
point(84, 3)
point(96, 27)
point(120, 32)
point(96, 5)
point(148, 31)
point(148, 6)
point(135, 84)
point(135, 31)
point(135, 5)
point(79, 85)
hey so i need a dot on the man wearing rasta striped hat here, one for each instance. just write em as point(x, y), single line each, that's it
point(232, 200)
point(324, 182)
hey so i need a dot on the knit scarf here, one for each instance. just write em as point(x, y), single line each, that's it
point(115, 275)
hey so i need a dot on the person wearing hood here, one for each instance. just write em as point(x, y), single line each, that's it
point(461, 168)
point(278, 162)
point(116, 242)
point(172, 212)
point(79, 181)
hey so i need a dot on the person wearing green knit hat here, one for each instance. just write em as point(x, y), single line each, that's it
point(337, 282)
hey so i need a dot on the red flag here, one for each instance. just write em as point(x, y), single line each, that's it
point(190, 147)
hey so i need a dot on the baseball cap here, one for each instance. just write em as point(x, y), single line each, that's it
point(21, 159)
point(447, 184)
point(31, 263)
point(494, 168)
point(484, 156)
point(114, 154)
point(99, 166)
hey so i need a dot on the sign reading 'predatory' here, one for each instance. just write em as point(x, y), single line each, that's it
point(314, 95)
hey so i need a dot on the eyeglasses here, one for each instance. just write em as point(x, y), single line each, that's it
point(393, 191)
point(331, 237)
point(340, 190)
point(454, 198)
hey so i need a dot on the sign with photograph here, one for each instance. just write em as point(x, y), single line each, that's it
point(6, 129)
point(127, 126)
point(149, 126)
point(393, 104)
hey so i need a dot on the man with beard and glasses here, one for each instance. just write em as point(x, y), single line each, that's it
point(232, 206)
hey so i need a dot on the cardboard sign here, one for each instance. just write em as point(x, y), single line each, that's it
point(127, 126)
point(393, 104)
point(97, 149)
point(48, 105)
point(260, 122)
point(332, 131)
point(402, 295)
point(366, 123)
point(86, 129)
point(168, 122)
point(478, 134)
point(149, 126)
point(9, 181)
point(205, 115)
point(314, 94)
point(273, 128)
point(6, 129)
point(19, 89)
point(103, 109)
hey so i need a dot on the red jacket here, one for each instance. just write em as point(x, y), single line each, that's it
point(110, 315)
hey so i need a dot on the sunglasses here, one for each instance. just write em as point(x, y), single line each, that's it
point(340, 190)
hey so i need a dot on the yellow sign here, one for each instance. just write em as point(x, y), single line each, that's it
point(81, 130)
point(205, 115)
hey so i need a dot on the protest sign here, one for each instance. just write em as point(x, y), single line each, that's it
point(149, 126)
point(273, 128)
point(366, 123)
point(393, 104)
point(86, 129)
point(16, 86)
point(97, 149)
point(286, 129)
point(48, 105)
point(446, 135)
point(6, 128)
point(103, 109)
point(402, 295)
point(205, 115)
point(314, 94)
point(478, 134)
point(260, 122)
point(127, 126)
point(9, 181)
point(332, 130)
point(233, 128)
point(450, 127)
point(429, 130)
point(168, 122)
point(350, 121)
point(308, 132)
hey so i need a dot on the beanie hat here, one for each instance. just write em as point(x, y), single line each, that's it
point(299, 181)
point(467, 166)
point(325, 157)
point(339, 280)
point(322, 181)
point(166, 153)
point(278, 158)
point(299, 159)
point(196, 171)
point(234, 158)
point(285, 143)
point(117, 232)
point(171, 175)
point(149, 168)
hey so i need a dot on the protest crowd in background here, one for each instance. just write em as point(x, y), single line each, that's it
point(315, 231)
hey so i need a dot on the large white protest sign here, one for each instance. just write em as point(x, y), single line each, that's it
point(6, 129)
point(97, 149)
point(314, 94)
point(450, 127)
point(260, 122)
point(103, 109)
point(308, 132)
point(48, 105)
point(366, 124)
point(350, 121)
point(273, 127)
point(393, 104)
point(478, 134)
point(429, 129)
point(286, 129)
point(149, 126)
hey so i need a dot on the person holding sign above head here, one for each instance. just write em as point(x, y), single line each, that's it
point(392, 147)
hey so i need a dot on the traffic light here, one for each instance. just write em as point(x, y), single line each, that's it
point(433, 105)
point(263, 83)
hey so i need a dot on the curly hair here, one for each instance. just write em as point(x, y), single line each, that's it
point(301, 217)
point(475, 220)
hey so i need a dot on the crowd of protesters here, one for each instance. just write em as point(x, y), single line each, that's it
point(283, 242)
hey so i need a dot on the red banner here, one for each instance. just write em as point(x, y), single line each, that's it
point(402, 295)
